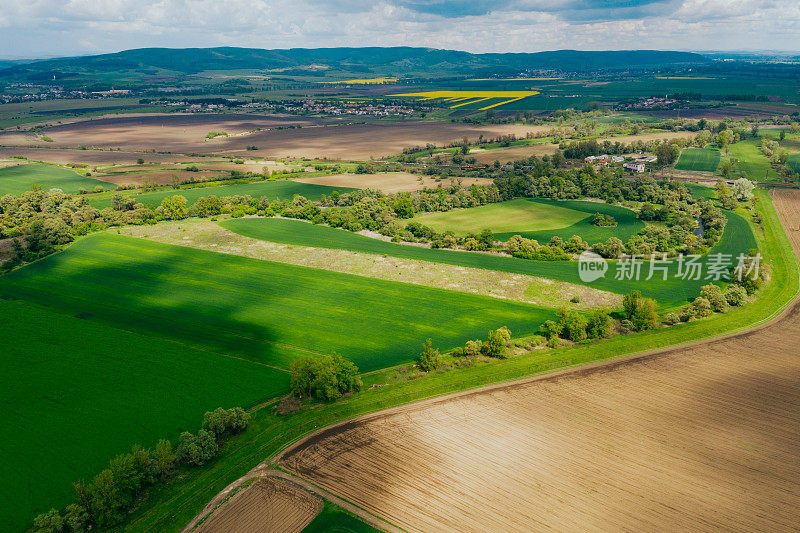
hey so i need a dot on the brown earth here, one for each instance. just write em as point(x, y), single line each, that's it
point(92, 158)
point(694, 438)
point(268, 505)
point(389, 182)
point(186, 134)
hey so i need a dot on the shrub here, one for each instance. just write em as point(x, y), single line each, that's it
point(671, 319)
point(640, 311)
point(575, 299)
point(598, 324)
point(735, 295)
point(687, 313)
point(49, 522)
point(174, 207)
point(573, 325)
point(223, 422)
point(715, 298)
point(495, 345)
point(702, 307)
point(472, 347)
point(606, 221)
point(430, 358)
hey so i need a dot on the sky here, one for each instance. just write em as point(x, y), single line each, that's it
point(49, 28)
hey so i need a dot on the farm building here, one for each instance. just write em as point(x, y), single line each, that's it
point(635, 166)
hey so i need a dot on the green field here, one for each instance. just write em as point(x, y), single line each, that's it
point(76, 393)
point(181, 499)
point(794, 163)
point(698, 159)
point(334, 519)
point(672, 292)
point(538, 219)
point(20, 178)
point(262, 311)
point(752, 160)
point(271, 189)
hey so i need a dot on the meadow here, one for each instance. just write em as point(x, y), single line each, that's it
point(281, 189)
point(698, 159)
point(536, 218)
point(77, 392)
point(752, 160)
point(673, 291)
point(266, 312)
point(20, 178)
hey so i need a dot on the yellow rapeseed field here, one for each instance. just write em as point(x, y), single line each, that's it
point(462, 98)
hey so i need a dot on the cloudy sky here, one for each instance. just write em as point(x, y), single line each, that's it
point(45, 28)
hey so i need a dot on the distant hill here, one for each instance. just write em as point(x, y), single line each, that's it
point(398, 60)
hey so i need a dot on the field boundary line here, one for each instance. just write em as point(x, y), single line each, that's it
point(263, 470)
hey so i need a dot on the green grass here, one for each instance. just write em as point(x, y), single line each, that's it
point(261, 311)
point(752, 160)
point(20, 178)
point(701, 191)
point(538, 219)
point(334, 519)
point(698, 159)
point(175, 503)
point(271, 189)
point(627, 222)
point(75, 393)
point(514, 215)
point(673, 292)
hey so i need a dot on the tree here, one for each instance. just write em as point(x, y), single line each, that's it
point(782, 135)
point(49, 522)
point(754, 130)
point(174, 207)
point(667, 153)
point(715, 298)
point(222, 422)
point(404, 207)
point(430, 359)
point(702, 307)
point(640, 311)
point(324, 378)
point(164, 457)
point(197, 449)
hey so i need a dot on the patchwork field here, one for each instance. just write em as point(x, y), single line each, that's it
point(271, 189)
point(207, 235)
point(738, 238)
point(698, 159)
point(536, 219)
point(330, 138)
point(99, 389)
point(20, 178)
point(261, 311)
point(583, 448)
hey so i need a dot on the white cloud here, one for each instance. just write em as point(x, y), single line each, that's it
point(53, 27)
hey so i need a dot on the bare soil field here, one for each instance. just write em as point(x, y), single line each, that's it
point(698, 438)
point(65, 156)
point(206, 235)
point(268, 505)
point(389, 182)
point(505, 155)
point(187, 134)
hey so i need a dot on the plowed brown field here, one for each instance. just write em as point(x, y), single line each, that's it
point(269, 505)
point(697, 438)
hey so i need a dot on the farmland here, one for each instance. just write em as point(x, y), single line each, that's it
point(698, 159)
point(615, 440)
point(738, 238)
point(20, 178)
point(148, 388)
point(536, 219)
point(153, 289)
point(480, 100)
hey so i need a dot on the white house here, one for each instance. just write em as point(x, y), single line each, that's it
point(635, 166)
